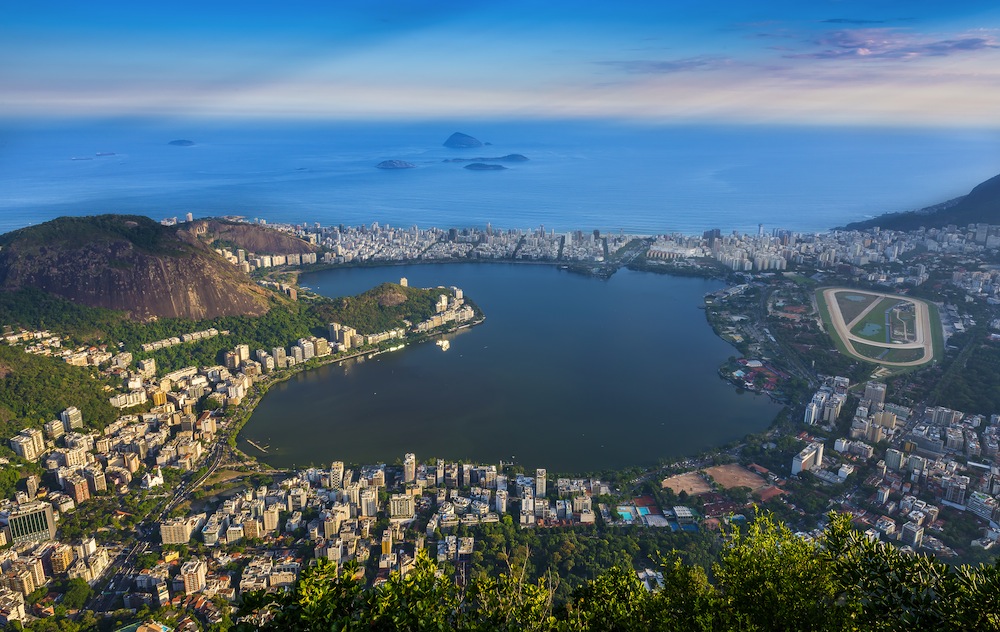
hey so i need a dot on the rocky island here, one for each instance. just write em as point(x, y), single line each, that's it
point(181, 142)
point(507, 158)
point(458, 140)
point(395, 164)
point(482, 166)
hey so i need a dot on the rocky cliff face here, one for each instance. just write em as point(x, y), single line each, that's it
point(127, 263)
point(251, 237)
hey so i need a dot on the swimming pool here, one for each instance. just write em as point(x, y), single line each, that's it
point(643, 511)
point(626, 513)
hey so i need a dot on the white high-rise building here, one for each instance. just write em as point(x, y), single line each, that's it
point(72, 418)
point(368, 502)
point(501, 501)
point(409, 468)
point(812, 413)
point(540, 482)
point(401, 506)
point(810, 457)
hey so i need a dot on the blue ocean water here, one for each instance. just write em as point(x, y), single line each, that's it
point(581, 175)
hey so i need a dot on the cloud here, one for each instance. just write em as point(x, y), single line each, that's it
point(892, 44)
point(851, 21)
point(663, 67)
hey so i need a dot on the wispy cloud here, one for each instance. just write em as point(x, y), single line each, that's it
point(892, 44)
point(852, 21)
point(670, 66)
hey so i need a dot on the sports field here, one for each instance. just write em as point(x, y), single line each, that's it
point(888, 329)
point(733, 475)
point(690, 482)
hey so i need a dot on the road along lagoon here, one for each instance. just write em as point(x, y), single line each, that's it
point(568, 372)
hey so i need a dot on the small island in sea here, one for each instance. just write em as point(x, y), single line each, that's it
point(507, 158)
point(458, 140)
point(181, 142)
point(395, 164)
point(482, 166)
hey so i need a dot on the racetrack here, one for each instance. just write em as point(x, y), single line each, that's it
point(924, 338)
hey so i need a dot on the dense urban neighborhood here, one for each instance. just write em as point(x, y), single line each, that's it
point(152, 513)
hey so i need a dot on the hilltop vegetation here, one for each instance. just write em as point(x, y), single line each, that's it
point(35, 389)
point(381, 308)
point(766, 579)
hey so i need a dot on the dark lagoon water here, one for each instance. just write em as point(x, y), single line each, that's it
point(568, 372)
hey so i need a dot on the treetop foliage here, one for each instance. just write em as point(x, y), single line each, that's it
point(767, 578)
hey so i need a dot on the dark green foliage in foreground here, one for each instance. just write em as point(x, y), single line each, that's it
point(765, 579)
point(35, 389)
point(575, 554)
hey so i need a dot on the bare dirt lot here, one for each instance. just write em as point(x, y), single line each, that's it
point(735, 476)
point(690, 482)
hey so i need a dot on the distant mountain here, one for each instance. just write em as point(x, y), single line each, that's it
point(130, 264)
point(458, 140)
point(250, 237)
point(980, 206)
point(181, 142)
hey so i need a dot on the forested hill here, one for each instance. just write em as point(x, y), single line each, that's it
point(381, 308)
point(130, 264)
point(980, 206)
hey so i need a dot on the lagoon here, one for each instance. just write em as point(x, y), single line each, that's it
point(568, 372)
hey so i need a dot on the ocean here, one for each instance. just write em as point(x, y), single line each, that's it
point(580, 175)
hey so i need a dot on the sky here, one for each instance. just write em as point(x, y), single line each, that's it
point(819, 62)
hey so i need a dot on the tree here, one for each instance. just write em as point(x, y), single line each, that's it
point(778, 581)
point(892, 591)
point(77, 593)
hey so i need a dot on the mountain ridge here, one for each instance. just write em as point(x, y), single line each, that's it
point(127, 263)
point(980, 205)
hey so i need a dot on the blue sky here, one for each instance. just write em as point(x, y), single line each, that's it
point(914, 63)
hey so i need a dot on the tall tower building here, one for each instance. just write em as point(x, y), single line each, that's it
point(72, 418)
point(501, 501)
point(409, 468)
point(540, 482)
point(337, 474)
point(368, 503)
point(875, 392)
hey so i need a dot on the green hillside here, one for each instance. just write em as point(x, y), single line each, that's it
point(35, 389)
point(980, 206)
